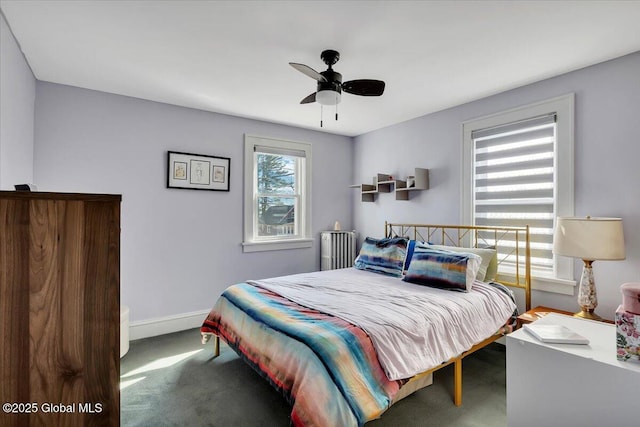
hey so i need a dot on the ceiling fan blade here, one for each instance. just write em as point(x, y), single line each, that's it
point(364, 87)
point(309, 99)
point(305, 69)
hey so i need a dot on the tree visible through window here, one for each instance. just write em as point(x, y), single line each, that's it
point(276, 197)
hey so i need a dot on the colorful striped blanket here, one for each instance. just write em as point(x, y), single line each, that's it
point(413, 328)
point(325, 367)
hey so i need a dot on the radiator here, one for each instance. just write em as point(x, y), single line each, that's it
point(338, 249)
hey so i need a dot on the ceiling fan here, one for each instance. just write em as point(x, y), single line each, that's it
point(330, 85)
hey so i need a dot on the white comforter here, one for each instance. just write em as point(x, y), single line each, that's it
point(413, 328)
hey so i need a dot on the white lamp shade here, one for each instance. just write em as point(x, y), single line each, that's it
point(589, 238)
point(328, 97)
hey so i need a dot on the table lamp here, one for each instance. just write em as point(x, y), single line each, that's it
point(589, 239)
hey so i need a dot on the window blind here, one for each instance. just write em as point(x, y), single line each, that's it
point(279, 151)
point(514, 181)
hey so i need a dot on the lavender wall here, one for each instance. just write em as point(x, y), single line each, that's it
point(17, 98)
point(607, 171)
point(180, 248)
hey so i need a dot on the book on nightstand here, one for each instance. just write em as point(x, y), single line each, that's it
point(555, 334)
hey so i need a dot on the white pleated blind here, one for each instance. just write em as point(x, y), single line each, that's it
point(514, 181)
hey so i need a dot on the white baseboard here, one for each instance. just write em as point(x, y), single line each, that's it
point(166, 325)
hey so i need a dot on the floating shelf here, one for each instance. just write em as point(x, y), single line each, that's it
point(383, 183)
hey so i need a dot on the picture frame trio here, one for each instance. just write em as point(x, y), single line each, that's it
point(198, 171)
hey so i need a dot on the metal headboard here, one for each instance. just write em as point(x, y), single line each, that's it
point(512, 244)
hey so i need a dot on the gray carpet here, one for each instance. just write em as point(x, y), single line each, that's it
point(173, 380)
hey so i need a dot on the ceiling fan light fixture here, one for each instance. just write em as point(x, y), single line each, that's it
point(330, 86)
point(328, 97)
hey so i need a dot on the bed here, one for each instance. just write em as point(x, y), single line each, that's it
point(344, 345)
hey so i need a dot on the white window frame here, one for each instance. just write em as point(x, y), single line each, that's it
point(303, 211)
point(562, 280)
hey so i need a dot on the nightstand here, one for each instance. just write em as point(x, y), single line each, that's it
point(540, 311)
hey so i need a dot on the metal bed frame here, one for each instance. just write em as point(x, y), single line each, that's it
point(514, 256)
point(514, 270)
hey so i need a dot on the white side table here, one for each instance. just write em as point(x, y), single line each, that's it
point(570, 385)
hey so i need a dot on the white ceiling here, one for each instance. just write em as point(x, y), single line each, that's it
point(232, 57)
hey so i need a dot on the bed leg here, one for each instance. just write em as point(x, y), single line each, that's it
point(457, 380)
point(206, 336)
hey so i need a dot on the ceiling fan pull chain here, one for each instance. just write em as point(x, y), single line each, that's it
point(336, 106)
point(320, 115)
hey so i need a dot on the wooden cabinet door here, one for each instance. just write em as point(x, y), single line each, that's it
point(59, 308)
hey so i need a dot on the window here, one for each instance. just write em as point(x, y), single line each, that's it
point(518, 170)
point(277, 194)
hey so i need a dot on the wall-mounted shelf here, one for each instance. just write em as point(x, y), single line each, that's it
point(383, 183)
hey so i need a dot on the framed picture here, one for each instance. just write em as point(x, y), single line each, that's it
point(198, 171)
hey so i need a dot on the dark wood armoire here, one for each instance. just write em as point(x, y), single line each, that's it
point(59, 309)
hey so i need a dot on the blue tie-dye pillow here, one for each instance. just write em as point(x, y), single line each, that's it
point(385, 256)
point(443, 269)
point(410, 248)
